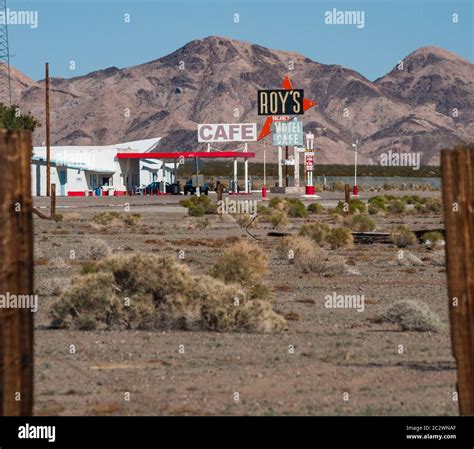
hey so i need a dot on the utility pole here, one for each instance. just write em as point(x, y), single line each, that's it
point(457, 170)
point(5, 91)
point(48, 137)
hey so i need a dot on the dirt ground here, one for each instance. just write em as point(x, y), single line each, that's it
point(336, 351)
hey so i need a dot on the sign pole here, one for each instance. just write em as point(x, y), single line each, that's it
point(356, 190)
point(48, 136)
point(264, 165)
point(286, 166)
point(280, 170)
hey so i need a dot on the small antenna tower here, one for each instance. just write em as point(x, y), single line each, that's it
point(6, 82)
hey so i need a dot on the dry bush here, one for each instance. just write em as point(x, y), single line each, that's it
point(396, 206)
point(432, 239)
point(304, 254)
point(72, 216)
point(95, 249)
point(411, 316)
point(279, 219)
point(106, 218)
point(45, 286)
point(131, 219)
point(145, 291)
point(402, 236)
point(316, 231)
point(242, 262)
point(59, 263)
point(340, 237)
point(362, 223)
point(316, 208)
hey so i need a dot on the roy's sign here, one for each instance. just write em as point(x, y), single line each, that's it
point(227, 132)
point(280, 102)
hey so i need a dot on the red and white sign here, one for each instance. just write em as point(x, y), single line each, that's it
point(309, 160)
point(281, 118)
point(227, 132)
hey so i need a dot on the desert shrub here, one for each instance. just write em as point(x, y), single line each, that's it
point(58, 217)
point(316, 208)
point(48, 286)
point(96, 249)
point(316, 231)
point(243, 262)
point(429, 205)
point(276, 203)
point(263, 210)
point(432, 239)
point(88, 267)
point(244, 219)
point(402, 236)
point(412, 199)
point(355, 206)
point(279, 219)
point(295, 208)
point(378, 202)
point(362, 223)
point(303, 253)
point(396, 206)
point(196, 211)
point(105, 218)
point(338, 186)
point(146, 291)
point(131, 219)
point(199, 205)
point(339, 237)
point(411, 316)
point(373, 210)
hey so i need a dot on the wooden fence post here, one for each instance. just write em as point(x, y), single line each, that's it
point(53, 200)
point(458, 201)
point(347, 196)
point(16, 273)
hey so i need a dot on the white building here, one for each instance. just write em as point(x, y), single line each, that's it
point(80, 170)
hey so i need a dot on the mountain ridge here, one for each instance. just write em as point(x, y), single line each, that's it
point(208, 80)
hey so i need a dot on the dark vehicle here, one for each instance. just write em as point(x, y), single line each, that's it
point(152, 189)
point(189, 188)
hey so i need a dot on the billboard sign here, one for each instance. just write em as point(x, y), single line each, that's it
point(287, 133)
point(280, 102)
point(227, 132)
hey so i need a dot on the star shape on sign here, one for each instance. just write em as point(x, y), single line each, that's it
point(307, 104)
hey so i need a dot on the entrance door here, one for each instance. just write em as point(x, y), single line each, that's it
point(62, 182)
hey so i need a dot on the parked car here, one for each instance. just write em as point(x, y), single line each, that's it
point(189, 188)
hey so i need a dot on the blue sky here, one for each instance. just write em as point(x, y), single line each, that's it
point(93, 33)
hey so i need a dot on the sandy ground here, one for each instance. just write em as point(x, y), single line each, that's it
point(335, 351)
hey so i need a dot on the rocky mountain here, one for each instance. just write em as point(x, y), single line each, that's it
point(215, 80)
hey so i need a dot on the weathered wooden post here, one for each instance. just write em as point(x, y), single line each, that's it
point(347, 196)
point(16, 273)
point(53, 200)
point(458, 200)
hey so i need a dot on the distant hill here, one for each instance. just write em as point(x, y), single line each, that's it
point(405, 110)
